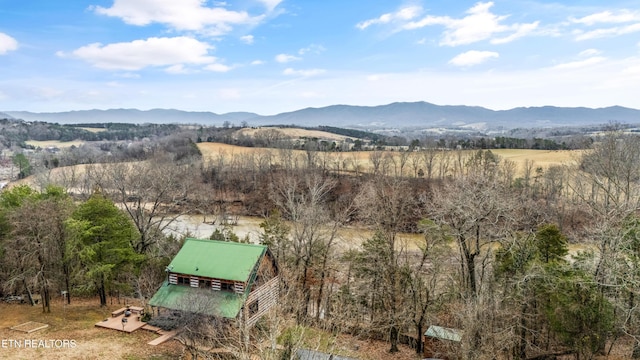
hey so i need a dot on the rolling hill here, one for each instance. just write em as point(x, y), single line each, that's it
point(395, 115)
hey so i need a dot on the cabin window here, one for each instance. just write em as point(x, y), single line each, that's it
point(184, 280)
point(228, 286)
point(253, 308)
point(203, 283)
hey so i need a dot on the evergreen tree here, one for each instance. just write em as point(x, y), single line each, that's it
point(104, 236)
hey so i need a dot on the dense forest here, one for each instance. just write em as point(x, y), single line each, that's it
point(529, 263)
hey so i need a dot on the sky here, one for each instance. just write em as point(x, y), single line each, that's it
point(274, 56)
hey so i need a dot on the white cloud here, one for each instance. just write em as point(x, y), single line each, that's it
point(218, 67)
point(473, 57)
point(623, 22)
point(519, 30)
point(7, 43)
point(313, 48)
point(247, 39)
point(403, 14)
point(607, 32)
point(139, 54)
point(257, 62)
point(589, 53)
point(176, 69)
point(270, 4)
point(304, 73)
point(190, 15)
point(608, 17)
point(581, 63)
point(285, 58)
point(479, 24)
point(129, 75)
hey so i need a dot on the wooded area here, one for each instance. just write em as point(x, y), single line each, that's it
point(528, 263)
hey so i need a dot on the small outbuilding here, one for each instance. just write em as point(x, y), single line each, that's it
point(440, 341)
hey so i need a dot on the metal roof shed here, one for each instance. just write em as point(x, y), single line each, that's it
point(443, 333)
point(439, 342)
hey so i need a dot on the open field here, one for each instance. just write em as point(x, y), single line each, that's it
point(295, 133)
point(349, 161)
point(53, 143)
point(542, 158)
point(93, 130)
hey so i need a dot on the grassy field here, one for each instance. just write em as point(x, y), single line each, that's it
point(93, 130)
point(76, 322)
point(348, 161)
point(543, 158)
point(53, 143)
point(295, 133)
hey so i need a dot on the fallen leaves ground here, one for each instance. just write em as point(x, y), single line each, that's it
point(77, 322)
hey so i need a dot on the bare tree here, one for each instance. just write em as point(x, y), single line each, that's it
point(302, 200)
point(475, 208)
point(385, 203)
point(152, 194)
point(37, 246)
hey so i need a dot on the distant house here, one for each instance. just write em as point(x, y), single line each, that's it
point(439, 341)
point(224, 279)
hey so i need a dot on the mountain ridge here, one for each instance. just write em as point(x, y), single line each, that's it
point(393, 115)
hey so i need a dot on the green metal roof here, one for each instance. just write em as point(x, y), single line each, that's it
point(217, 259)
point(203, 301)
point(443, 333)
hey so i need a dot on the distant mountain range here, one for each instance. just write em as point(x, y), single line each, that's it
point(396, 115)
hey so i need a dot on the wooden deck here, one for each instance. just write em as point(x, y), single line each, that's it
point(115, 323)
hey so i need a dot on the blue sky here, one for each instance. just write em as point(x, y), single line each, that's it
point(272, 56)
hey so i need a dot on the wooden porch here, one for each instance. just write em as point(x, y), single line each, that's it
point(116, 322)
point(133, 323)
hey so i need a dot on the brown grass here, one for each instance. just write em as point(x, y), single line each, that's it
point(54, 143)
point(93, 130)
point(349, 161)
point(77, 322)
point(295, 133)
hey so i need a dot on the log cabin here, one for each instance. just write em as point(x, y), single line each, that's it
point(225, 279)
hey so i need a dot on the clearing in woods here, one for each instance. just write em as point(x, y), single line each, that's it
point(72, 334)
point(75, 323)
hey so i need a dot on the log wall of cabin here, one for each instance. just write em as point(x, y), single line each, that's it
point(216, 284)
point(264, 297)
